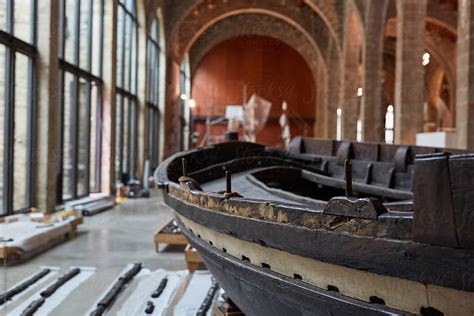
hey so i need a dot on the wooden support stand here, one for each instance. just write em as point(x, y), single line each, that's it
point(162, 236)
point(193, 259)
point(225, 307)
point(78, 221)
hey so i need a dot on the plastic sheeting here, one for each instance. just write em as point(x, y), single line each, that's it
point(256, 113)
point(28, 235)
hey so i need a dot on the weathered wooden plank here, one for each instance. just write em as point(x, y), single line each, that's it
point(434, 221)
point(462, 182)
point(443, 266)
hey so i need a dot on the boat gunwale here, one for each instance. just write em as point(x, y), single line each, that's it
point(405, 259)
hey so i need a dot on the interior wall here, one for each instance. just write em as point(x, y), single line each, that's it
point(269, 68)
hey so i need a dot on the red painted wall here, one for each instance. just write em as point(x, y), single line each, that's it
point(270, 68)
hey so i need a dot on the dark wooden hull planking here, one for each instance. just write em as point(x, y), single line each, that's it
point(260, 291)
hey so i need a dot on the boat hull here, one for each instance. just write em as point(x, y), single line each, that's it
point(259, 291)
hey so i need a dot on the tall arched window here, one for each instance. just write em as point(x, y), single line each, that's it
point(154, 52)
point(126, 96)
point(80, 59)
point(185, 91)
point(17, 77)
point(389, 125)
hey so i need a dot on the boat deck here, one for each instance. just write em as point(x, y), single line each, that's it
point(242, 185)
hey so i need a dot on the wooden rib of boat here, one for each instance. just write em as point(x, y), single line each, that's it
point(330, 227)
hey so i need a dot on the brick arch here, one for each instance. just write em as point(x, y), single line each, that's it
point(260, 24)
point(443, 14)
point(186, 24)
point(359, 7)
point(264, 25)
point(203, 16)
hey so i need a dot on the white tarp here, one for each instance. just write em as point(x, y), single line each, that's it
point(29, 235)
point(256, 113)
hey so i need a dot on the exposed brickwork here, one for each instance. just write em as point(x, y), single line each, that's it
point(409, 82)
point(205, 14)
point(352, 75)
point(254, 24)
point(465, 71)
point(372, 112)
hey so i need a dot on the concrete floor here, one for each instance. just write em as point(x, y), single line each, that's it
point(107, 242)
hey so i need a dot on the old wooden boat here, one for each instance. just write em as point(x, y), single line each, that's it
point(330, 227)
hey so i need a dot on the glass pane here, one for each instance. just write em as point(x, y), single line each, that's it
point(156, 72)
point(156, 134)
point(154, 30)
point(21, 130)
point(126, 131)
point(153, 136)
point(85, 32)
point(130, 5)
point(118, 137)
point(68, 136)
point(127, 54)
point(120, 46)
point(70, 33)
point(133, 60)
point(97, 26)
point(3, 15)
point(149, 71)
point(23, 22)
point(150, 132)
point(2, 121)
point(83, 139)
point(133, 136)
point(95, 136)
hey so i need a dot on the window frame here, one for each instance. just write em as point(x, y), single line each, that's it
point(154, 51)
point(128, 94)
point(183, 81)
point(75, 69)
point(12, 46)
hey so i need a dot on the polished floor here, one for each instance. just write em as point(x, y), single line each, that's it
point(107, 243)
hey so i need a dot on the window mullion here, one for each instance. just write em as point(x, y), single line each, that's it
point(89, 37)
point(10, 130)
point(88, 141)
point(101, 43)
point(31, 130)
point(129, 136)
point(122, 71)
point(75, 132)
point(98, 144)
point(10, 18)
point(33, 18)
point(77, 31)
point(130, 66)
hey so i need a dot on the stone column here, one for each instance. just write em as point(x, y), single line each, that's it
point(141, 90)
point(172, 107)
point(465, 76)
point(47, 158)
point(108, 98)
point(334, 90)
point(409, 72)
point(350, 109)
point(321, 101)
point(372, 111)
